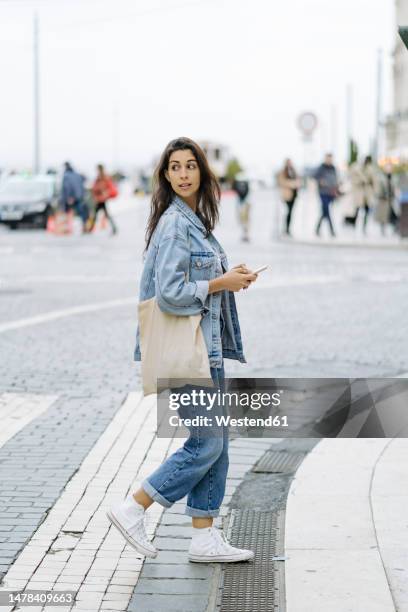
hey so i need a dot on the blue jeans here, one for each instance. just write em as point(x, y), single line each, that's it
point(80, 209)
point(198, 469)
point(326, 200)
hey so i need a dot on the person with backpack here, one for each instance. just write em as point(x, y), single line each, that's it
point(72, 195)
point(103, 190)
point(328, 186)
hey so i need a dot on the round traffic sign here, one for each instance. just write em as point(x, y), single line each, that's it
point(307, 123)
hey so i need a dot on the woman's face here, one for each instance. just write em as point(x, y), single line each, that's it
point(183, 174)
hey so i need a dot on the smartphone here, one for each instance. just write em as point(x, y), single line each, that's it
point(261, 269)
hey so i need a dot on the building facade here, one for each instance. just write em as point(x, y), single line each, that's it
point(397, 123)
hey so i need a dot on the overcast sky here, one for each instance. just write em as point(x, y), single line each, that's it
point(121, 78)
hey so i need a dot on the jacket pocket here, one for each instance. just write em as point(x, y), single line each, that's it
point(202, 265)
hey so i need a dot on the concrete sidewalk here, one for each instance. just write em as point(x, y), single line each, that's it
point(76, 549)
point(346, 532)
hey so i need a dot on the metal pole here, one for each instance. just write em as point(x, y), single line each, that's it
point(378, 106)
point(116, 136)
point(349, 117)
point(36, 164)
point(333, 129)
point(323, 137)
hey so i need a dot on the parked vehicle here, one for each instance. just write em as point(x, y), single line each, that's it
point(27, 199)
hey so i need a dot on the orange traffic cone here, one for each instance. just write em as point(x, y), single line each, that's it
point(51, 224)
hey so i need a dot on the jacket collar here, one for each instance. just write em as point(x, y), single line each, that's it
point(187, 212)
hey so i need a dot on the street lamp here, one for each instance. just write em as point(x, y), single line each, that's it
point(36, 81)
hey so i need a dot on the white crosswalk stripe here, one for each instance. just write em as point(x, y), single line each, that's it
point(18, 410)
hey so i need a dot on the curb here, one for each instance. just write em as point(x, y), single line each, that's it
point(260, 500)
point(347, 558)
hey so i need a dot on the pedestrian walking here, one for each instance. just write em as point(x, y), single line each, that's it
point(72, 194)
point(357, 193)
point(370, 170)
point(386, 194)
point(328, 185)
point(103, 189)
point(240, 185)
point(289, 184)
point(363, 180)
point(185, 270)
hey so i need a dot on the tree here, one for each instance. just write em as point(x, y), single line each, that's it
point(233, 168)
point(353, 151)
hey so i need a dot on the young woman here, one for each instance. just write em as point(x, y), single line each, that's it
point(181, 246)
point(101, 191)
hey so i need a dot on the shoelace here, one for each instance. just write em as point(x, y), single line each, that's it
point(140, 529)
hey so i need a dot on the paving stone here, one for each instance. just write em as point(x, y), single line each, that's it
point(171, 586)
point(162, 603)
point(169, 556)
point(174, 531)
point(9, 514)
point(187, 571)
point(176, 519)
point(124, 582)
point(171, 543)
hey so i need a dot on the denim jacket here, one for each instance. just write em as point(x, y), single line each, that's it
point(179, 263)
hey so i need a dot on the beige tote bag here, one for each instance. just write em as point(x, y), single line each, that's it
point(172, 347)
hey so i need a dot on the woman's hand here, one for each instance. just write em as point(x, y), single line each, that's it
point(235, 279)
point(238, 278)
point(242, 268)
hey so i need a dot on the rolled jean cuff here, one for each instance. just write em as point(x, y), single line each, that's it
point(155, 495)
point(194, 512)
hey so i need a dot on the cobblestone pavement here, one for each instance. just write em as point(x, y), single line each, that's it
point(67, 328)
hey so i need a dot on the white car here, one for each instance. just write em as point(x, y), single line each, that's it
point(27, 199)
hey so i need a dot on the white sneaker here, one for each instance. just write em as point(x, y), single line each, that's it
point(211, 546)
point(128, 517)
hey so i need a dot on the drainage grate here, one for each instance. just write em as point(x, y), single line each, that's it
point(254, 586)
point(280, 462)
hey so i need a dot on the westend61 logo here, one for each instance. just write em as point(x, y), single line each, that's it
point(209, 399)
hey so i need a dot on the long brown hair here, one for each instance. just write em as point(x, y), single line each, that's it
point(209, 193)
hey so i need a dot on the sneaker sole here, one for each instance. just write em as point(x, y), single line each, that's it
point(139, 547)
point(219, 559)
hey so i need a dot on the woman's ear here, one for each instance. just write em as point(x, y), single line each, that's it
point(166, 174)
